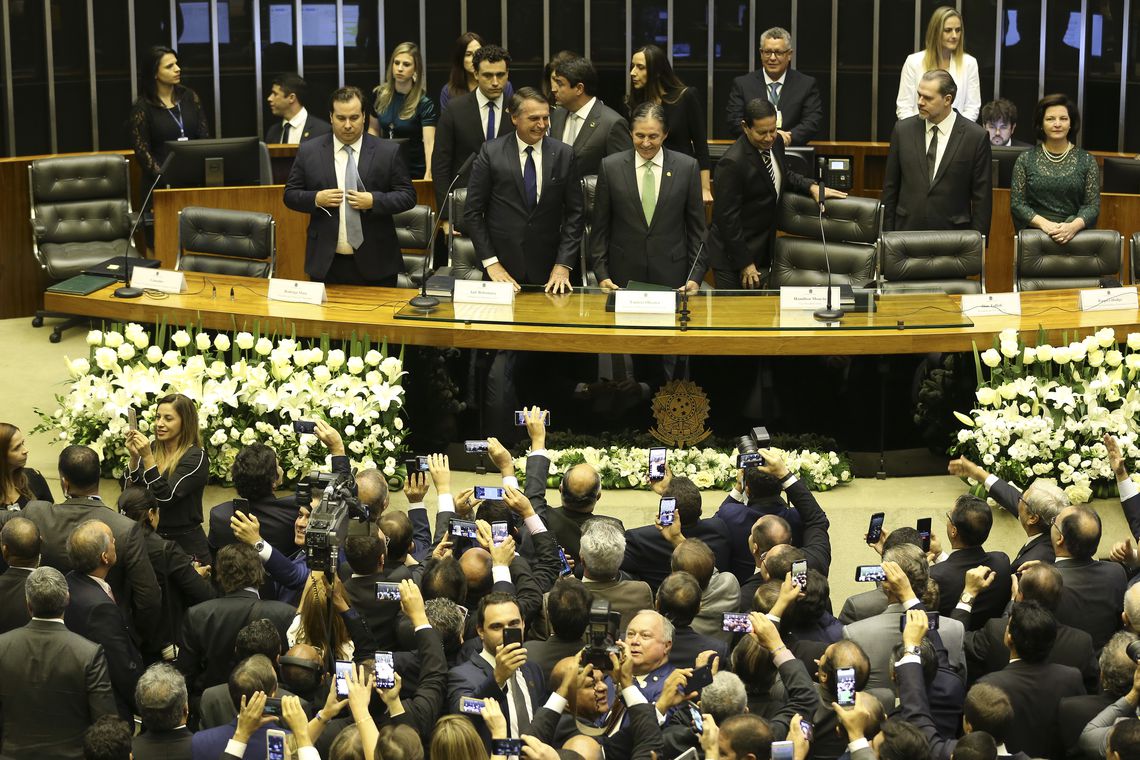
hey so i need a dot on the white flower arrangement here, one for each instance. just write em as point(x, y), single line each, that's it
point(1044, 411)
point(624, 467)
point(247, 388)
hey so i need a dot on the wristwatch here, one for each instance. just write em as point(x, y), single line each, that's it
point(259, 546)
point(916, 651)
point(967, 598)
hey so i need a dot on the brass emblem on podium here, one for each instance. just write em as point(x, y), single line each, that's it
point(681, 410)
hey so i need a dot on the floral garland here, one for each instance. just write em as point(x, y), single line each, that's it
point(626, 467)
point(248, 388)
point(1044, 410)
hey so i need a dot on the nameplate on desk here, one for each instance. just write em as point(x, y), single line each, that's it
point(484, 291)
point(162, 280)
point(484, 312)
point(794, 298)
point(1108, 299)
point(297, 291)
point(645, 302)
point(991, 305)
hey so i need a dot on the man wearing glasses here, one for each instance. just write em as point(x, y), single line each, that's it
point(799, 109)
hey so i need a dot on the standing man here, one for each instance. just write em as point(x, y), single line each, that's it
point(799, 109)
point(294, 123)
point(581, 120)
point(350, 183)
point(750, 178)
point(938, 170)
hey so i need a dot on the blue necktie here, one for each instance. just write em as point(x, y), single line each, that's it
point(530, 178)
point(774, 94)
point(354, 231)
point(490, 120)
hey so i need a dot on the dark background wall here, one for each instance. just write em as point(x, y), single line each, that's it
point(70, 67)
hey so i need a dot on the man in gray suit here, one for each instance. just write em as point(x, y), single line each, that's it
point(53, 683)
point(581, 120)
point(873, 602)
point(602, 550)
point(649, 218)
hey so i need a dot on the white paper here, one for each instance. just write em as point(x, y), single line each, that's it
point(484, 291)
point(645, 302)
point(1108, 299)
point(297, 291)
point(992, 305)
point(162, 280)
point(795, 297)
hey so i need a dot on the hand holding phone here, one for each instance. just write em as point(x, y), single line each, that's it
point(845, 686)
point(923, 528)
point(304, 426)
point(736, 622)
point(385, 668)
point(343, 674)
point(512, 636)
point(799, 573)
point(489, 492)
point(667, 510)
point(476, 447)
point(875, 528)
point(132, 419)
point(499, 533)
point(658, 457)
point(870, 574)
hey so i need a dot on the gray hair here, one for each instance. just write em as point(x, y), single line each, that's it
point(912, 561)
point(725, 696)
point(1132, 607)
point(161, 697)
point(46, 593)
point(1044, 499)
point(777, 33)
point(602, 547)
point(667, 629)
point(87, 544)
point(1117, 669)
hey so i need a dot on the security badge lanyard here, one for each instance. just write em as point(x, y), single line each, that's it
point(178, 121)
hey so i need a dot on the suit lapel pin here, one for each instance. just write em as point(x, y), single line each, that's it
point(304, 134)
point(668, 174)
point(592, 125)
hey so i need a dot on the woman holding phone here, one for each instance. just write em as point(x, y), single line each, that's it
point(175, 469)
point(19, 483)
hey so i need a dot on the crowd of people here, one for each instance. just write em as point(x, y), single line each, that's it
point(517, 628)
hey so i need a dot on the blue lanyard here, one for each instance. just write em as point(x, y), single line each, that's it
point(178, 118)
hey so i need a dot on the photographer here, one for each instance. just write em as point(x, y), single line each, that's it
point(257, 475)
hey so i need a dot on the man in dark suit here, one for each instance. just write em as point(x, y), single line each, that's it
point(968, 526)
point(1093, 599)
point(1117, 673)
point(938, 174)
point(603, 547)
point(93, 614)
point(1035, 509)
point(649, 218)
point(568, 610)
point(20, 545)
point(679, 600)
point(210, 628)
point(1035, 687)
point(53, 683)
point(367, 556)
point(294, 124)
point(161, 698)
point(582, 121)
point(350, 183)
point(250, 676)
point(256, 475)
point(500, 672)
point(799, 109)
point(524, 201)
point(132, 579)
point(999, 117)
point(470, 120)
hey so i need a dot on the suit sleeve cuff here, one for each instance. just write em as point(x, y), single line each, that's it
point(964, 606)
point(512, 481)
point(633, 696)
point(907, 659)
point(417, 505)
point(912, 603)
point(490, 261)
point(789, 480)
point(265, 553)
point(942, 557)
point(781, 656)
point(1127, 488)
point(446, 503)
point(736, 495)
point(500, 574)
point(535, 525)
point(308, 753)
point(557, 703)
point(990, 482)
point(424, 627)
point(542, 452)
point(235, 748)
point(857, 745)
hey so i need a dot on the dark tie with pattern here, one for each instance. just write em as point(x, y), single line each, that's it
point(530, 178)
point(766, 157)
point(490, 120)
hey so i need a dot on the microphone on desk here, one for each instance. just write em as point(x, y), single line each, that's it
point(423, 300)
point(683, 312)
point(828, 313)
point(127, 291)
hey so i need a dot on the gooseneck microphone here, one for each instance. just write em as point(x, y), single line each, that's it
point(423, 300)
point(828, 313)
point(684, 310)
point(127, 291)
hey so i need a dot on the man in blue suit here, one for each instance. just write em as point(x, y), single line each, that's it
point(251, 675)
point(350, 183)
point(649, 637)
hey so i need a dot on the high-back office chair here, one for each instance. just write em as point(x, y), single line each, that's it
point(465, 264)
point(81, 216)
point(1039, 263)
point(222, 241)
point(413, 230)
point(589, 192)
point(1133, 257)
point(851, 230)
point(946, 260)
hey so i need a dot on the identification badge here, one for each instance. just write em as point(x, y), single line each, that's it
point(779, 119)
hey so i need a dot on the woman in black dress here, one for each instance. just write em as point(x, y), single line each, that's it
point(165, 111)
point(654, 81)
point(19, 483)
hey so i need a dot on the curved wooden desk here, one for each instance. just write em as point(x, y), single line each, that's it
point(582, 322)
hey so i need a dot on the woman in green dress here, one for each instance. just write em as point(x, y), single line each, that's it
point(1056, 185)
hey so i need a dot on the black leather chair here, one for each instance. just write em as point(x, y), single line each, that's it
point(589, 191)
point(1133, 257)
point(81, 216)
point(946, 260)
point(846, 220)
point(464, 264)
point(413, 230)
point(223, 241)
point(850, 228)
point(1041, 264)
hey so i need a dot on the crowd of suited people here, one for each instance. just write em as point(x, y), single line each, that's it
point(116, 643)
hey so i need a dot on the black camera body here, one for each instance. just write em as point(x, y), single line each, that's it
point(315, 482)
point(756, 439)
point(602, 635)
point(329, 522)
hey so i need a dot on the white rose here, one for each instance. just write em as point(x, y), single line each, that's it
point(222, 342)
point(1077, 351)
point(987, 396)
point(181, 338)
point(126, 352)
point(372, 358)
point(398, 423)
point(196, 366)
point(140, 339)
point(1009, 349)
point(391, 367)
point(78, 367)
point(335, 359)
point(1106, 337)
point(95, 338)
point(1096, 357)
point(154, 354)
point(1044, 353)
point(170, 358)
point(991, 358)
point(1132, 361)
point(355, 365)
point(1062, 355)
point(321, 374)
point(1133, 341)
point(244, 341)
point(703, 479)
point(1113, 358)
point(350, 430)
point(1078, 493)
point(1029, 355)
point(106, 358)
point(263, 346)
point(202, 341)
point(217, 369)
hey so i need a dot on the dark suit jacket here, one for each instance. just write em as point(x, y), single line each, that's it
point(800, 104)
point(383, 173)
point(210, 630)
point(744, 216)
point(380, 615)
point(604, 132)
point(951, 577)
point(1007, 496)
point(566, 524)
point(528, 242)
point(211, 743)
point(1093, 597)
point(986, 651)
point(624, 247)
point(1036, 692)
point(163, 745)
point(687, 644)
point(476, 678)
point(546, 654)
point(13, 603)
point(647, 553)
point(748, 590)
point(53, 685)
point(132, 578)
point(808, 522)
point(458, 136)
point(275, 518)
point(314, 127)
point(1074, 714)
point(959, 198)
point(93, 615)
point(181, 586)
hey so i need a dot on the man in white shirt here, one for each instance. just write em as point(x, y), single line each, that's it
point(799, 108)
point(581, 120)
point(292, 123)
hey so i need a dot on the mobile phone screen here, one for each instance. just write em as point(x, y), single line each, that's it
point(489, 492)
point(499, 532)
point(657, 459)
point(132, 419)
point(343, 670)
point(275, 745)
point(869, 573)
point(700, 678)
point(512, 636)
point(388, 592)
point(737, 622)
point(799, 573)
point(753, 459)
point(304, 426)
point(520, 418)
point(875, 528)
point(845, 687)
point(471, 706)
point(385, 670)
point(667, 510)
point(463, 528)
point(782, 750)
point(417, 464)
point(923, 528)
point(506, 747)
point(475, 447)
point(566, 569)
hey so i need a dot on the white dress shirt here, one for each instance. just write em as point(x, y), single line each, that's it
point(340, 163)
point(575, 120)
point(658, 172)
point(516, 681)
point(944, 129)
point(296, 127)
point(483, 100)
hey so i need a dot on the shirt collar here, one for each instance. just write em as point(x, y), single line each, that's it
point(1001, 750)
point(584, 111)
point(769, 80)
point(102, 584)
point(945, 125)
point(355, 145)
point(299, 119)
point(522, 146)
point(658, 160)
point(253, 591)
point(484, 100)
point(487, 657)
point(49, 620)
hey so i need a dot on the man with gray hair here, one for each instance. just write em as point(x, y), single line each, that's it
point(602, 549)
point(799, 108)
point(1035, 508)
point(164, 706)
point(725, 696)
point(1117, 672)
point(649, 638)
point(53, 682)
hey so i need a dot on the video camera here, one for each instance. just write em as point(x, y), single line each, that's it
point(602, 635)
point(316, 482)
point(329, 522)
point(748, 447)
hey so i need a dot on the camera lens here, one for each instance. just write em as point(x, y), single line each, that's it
point(746, 445)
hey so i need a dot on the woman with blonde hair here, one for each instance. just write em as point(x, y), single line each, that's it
point(175, 469)
point(405, 111)
point(945, 49)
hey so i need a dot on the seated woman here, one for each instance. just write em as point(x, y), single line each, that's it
point(19, 483)
point(404, 110)
point(1056, 185)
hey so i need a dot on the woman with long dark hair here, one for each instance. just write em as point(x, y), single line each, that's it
point(461, 80)
point(166, 110)
point(19, 483)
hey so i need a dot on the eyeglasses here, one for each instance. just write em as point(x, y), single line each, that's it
point(774, 53)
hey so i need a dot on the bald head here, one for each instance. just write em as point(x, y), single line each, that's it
point(1043, 584)
point(1078, 532)
point(91, 547)
point(20, 543)
point(476, 566)
point(372, 490)
point(581, 488)
point(769, 531)
point(1132, 608)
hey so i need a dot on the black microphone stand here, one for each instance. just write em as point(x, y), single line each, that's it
point(828, 313)
point(683, 313)
point(423, 300)
point(126, 291)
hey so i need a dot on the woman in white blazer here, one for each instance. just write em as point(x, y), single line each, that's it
point(945, 49)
